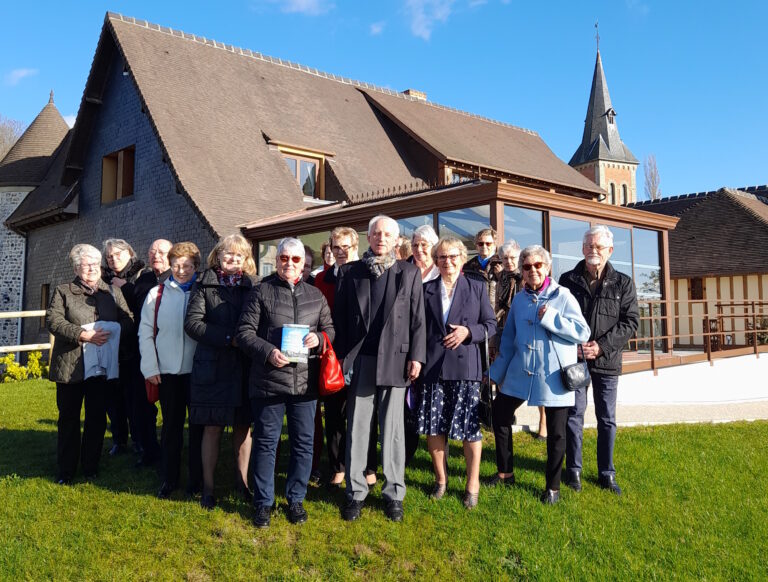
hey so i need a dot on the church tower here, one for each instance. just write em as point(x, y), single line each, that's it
point(602, 156)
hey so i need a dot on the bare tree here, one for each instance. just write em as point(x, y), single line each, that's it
point(10, 131)
point(652, 181)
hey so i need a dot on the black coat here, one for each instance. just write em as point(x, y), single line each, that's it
point(270, 305)
point(472, 309)
point(403, 337)
point(611, 313)
point(212, 316)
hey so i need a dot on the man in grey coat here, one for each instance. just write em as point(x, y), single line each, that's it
point(381, 339)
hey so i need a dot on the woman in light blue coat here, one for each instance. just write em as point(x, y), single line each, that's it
point(543, 317)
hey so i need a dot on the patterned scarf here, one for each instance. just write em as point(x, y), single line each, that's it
point(376, 264)
point(226, 280)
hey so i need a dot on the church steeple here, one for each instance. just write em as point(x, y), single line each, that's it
point(601, 147)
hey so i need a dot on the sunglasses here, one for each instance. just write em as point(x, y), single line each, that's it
point(529, 266)
point(285, 258)
point(483, 244)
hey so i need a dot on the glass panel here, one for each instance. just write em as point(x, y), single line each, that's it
point(523, 225)
point(647, 264)
point(291, 162)
point(464, 224)
point(621, 259)
point(308, 178)
point(267, 257)
point(408, 225)
point(567, 237)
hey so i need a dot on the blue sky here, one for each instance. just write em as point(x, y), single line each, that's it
point(687, 79)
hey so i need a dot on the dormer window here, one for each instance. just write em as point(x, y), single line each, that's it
point(117, 171)
point(610, 114)
point(307, 166)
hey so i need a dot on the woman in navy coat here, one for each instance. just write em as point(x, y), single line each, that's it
point(459, 316)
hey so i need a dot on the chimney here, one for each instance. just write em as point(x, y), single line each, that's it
point(415, 94)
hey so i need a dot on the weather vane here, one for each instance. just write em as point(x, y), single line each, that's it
point(597, 36)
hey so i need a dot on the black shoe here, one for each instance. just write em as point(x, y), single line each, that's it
point(351, 511)
point(207, 502)
point(335, 486)
point(573, 479)
point(145, 460)
point(394, 510)
point(138, 449)
point(165, 491)
point(244, 493)
point(193, 489)
point(550, 497)
point(63, 481)
point(609, 482)
point(116, 450)
point(497, 480)
point(315, 477)
point(262, 516)
point(296, 513)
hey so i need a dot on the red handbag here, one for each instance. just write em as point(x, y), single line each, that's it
point(331, 375)
point(153, 390)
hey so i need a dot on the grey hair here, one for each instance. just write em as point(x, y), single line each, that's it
point(425, 232)
point(379, 217)
point(510, 246)
point(600, 231)
point(535, 251)
point(81, 251)
point(119, 244)
point(291, 244)
point(452, 243)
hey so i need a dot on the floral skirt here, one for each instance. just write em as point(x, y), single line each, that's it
point(450, 408)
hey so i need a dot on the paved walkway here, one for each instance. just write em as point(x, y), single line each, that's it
point(648, 414)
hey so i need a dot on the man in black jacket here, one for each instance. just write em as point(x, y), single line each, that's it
point(609, 303)
point(381, 339)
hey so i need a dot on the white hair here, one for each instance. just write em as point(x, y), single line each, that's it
point(536, 251)
point(510, 246)
point(425, 232)
point(291, 245)
point(599, 231)
point(80, 251)
point(379, 217)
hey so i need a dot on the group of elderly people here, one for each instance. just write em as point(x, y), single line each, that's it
point(415, 338)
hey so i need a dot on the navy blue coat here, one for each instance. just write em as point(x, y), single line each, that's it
point(470, 308)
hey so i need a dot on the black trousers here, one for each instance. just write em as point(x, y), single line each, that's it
point(174, 403)
point(411, 433)
point(504, 408)
point(69, 400)
point(335, 407)
point(117, 409)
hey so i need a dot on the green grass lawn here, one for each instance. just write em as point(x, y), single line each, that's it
point(694, 507)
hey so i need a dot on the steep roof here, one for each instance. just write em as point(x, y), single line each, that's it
point(27, 162)
point(723, 232)
point(601, 139)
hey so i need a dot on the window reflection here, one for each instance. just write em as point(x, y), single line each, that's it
point(408, 225)
point(523, 225)
point(464, 224)
point(308, 178)
point(621, 259)
point(567, 236)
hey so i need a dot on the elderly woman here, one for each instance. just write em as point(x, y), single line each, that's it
point(422, 241)
point(167, 354)
point(219, 385)
point(280, 308)
point(544, 317)
point(121, 268)
point(458, 317)
point(87, 321)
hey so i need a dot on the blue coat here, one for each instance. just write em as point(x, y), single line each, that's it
point(526, 366)
point(471, 308)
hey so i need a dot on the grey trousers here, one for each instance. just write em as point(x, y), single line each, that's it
point(363, 395)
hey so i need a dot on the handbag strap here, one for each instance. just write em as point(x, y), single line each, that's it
point(326, 343)
point(554, 349)
point(154, 326)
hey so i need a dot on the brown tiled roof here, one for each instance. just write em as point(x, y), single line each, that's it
point(724, 232)
point(50, 201)
point(28, 160)
point(457, 136)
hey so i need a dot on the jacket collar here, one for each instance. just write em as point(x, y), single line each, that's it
point(77, 286)
point(580, 270)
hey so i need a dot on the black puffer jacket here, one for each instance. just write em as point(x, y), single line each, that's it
point(272, 304)
point(212, 316)
point(72, 306)
point(133, 270)
point(611, 313)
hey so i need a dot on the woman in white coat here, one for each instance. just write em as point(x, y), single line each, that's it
point(542, 318)
point(167, 353)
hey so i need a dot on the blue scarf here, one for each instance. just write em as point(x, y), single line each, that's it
point(484, 262)
point(185, 286)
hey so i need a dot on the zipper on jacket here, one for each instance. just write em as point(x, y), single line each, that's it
point(295, 320)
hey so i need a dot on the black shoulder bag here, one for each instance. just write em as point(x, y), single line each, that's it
point(574, 376)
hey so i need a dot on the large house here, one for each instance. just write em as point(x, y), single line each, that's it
point(188, 138)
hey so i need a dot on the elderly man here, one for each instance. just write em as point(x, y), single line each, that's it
point(145, 414)
point(609, 303)
point(381, 338)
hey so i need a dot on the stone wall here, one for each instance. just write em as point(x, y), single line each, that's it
point(11, 266)
point(156, 209)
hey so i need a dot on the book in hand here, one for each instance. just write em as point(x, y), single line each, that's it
point(292, 344)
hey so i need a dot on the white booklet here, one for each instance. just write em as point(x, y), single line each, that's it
point(292, 344)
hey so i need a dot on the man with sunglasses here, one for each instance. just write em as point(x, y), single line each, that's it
point(609, 303)
point(381, 339)
point(486, 265)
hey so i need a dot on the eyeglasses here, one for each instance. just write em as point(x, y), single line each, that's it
point(597, 248)
point(230, 256)
point(285, 258)
point(342, 248)
point(90, 266)
point(423, 245)
point(529, 266)
point(453, 257)
point(483, 244)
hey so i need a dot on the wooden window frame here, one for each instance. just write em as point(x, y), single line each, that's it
point(305, 156)
point(118, 175)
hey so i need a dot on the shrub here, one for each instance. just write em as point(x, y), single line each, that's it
point(12, 371)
